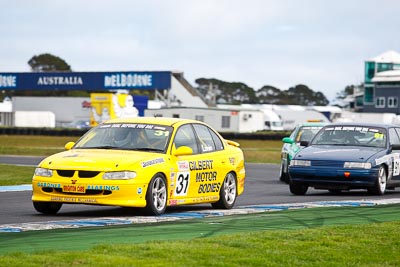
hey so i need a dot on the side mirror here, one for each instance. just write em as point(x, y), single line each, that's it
point(395, 147)
point(287, 140)
point(304, 143)
point(69, 145)
point(182, 151)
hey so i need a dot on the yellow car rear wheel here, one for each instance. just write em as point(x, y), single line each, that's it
point(228, 193)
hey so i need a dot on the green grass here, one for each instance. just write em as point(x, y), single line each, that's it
point(261, 151)
point(373, 244)
point(15, 175)
point(32, 145)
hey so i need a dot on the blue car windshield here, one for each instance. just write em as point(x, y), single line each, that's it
point(351, 136)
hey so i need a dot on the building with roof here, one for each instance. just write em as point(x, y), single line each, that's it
point(381, 84)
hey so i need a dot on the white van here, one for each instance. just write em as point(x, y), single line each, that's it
point(272, 121)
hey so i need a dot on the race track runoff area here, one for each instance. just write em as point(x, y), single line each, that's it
point(195, 227)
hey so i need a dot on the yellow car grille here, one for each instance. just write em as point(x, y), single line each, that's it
point(81, 174)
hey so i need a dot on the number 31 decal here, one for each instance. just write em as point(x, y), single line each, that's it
point(182, 184)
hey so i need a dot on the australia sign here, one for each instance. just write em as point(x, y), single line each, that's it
point(88, 81)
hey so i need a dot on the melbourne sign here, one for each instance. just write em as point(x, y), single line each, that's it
point(88, 81)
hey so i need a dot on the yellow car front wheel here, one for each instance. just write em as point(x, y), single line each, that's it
point(156, 197)
point(47, 207)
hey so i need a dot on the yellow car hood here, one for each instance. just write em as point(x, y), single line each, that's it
point(98, 159)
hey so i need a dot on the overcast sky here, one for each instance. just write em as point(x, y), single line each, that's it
point(322, 44)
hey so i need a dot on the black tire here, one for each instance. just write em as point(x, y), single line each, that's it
point(379, 187)
point(227, 193)
point(335, 191)
point(156, 196)
point(298, 188)
point(283, 176)
point(47, 207)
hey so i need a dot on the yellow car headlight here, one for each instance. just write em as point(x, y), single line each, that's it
point(43, 172)
point(358, 165)
point(125, 175)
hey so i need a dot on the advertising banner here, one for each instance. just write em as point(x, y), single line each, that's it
point(87, 81)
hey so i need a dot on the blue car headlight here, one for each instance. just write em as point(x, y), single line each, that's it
point(124, 175)
point(43, 172)
point(297, 162)
point(357, 165)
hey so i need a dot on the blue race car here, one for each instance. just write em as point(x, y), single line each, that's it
point(348, 156)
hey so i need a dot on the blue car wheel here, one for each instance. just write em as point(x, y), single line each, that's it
point(283, 173)
point(298, 188)
point(379, 187)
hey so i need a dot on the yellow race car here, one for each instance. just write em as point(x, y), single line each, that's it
point(150, 163)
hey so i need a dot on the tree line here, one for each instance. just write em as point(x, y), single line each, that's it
point(240, 93)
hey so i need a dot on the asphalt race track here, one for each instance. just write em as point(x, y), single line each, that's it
point(262, 187)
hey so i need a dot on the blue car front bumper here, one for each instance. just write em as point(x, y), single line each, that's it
point(333, 177)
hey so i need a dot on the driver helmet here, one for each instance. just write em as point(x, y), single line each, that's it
point(122, 136)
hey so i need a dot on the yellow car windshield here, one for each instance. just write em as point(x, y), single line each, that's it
point(129, 136)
